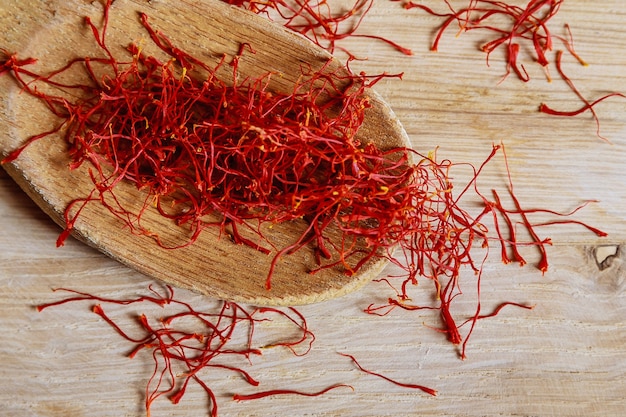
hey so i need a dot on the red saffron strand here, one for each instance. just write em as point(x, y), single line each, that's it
point(587, 106)
point(271, 393)
point(501, 306)
point(401, 384)
point(158, 299)
point(301, 323)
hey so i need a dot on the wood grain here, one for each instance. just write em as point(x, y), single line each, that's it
point(564, 358)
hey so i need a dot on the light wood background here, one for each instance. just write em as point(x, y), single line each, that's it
point(566, 357)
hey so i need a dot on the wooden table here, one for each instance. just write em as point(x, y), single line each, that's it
point(565, 357)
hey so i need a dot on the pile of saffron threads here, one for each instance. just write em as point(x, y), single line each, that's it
point(512, 26)
point(199, 146)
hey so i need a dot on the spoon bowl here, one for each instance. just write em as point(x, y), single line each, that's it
point(208, 30)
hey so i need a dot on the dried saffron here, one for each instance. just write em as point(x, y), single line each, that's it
point(317, 20)
point(401, 384)
point(587, 106)
point(200, 146)
point(438, 236)
point(177, 136)
point(511, 24)
point(271, 393)
point(224, 332)
point(529, 24)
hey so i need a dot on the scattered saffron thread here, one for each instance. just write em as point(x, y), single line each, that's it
point(588, 105)
point(529, 24)
point(437, 246)
point(226, 331)
point(400, 384)
point(318, 21)
point(519, 24)
point(271, 393)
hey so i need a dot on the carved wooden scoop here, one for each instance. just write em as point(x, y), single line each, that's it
point(55, 33)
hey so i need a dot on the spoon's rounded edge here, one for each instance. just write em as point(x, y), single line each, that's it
point(27, 173)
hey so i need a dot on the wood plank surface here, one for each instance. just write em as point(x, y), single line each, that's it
point(566, 357)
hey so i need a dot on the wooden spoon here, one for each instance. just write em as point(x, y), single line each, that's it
point(54, 32)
